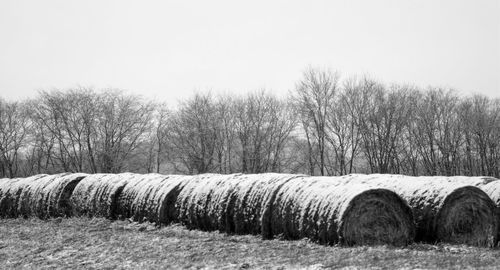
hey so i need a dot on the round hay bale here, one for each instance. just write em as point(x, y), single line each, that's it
point(31, 199)
point(218, 203)
point(445, 210)
point(53, 199)
point(155, 199)
point(488, 184)
point(5, 198)
point(250, 203)
point(477, 181)
point(192, 198)
point(96, 194)
point(4, 185)
point(331, 212)
point(493, 190)
point(128, 194)
point(9, 203)
point(204, 199)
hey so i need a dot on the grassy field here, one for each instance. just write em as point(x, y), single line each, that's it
point(102, 244)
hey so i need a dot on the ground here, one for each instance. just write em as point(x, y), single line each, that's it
point(102, 244)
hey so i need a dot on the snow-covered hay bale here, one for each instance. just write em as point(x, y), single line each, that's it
point(445, 210)
point(191, 201)
point(219, 205)
point(31, 196)
point(4, 185)
point(332, 212)
point(490, 185)
point(11, 194)
point(60, 191)
point(96, 195)
point(477, 181)
point(203, 201)
point(49, 196)
point(5, 196)
point(151, 198)
point(250, 203)
point(493, 190)
point(128, 194)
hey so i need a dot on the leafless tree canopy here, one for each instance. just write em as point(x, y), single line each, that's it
point(327, 126)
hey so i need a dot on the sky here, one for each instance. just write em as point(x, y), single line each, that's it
point(168, 50)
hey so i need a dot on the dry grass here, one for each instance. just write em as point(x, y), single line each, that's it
point(78, 243)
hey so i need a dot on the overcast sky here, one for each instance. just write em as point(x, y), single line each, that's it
point(168, 49)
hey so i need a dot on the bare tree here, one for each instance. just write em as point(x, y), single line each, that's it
point(70, 117)
point(194, 135)
point(225, 113)
point(161, 134)
point(313, 97)
point(326, 127)
point(382, 126)
point(263, 125)
point(39, 153)
point(122, 126)
point(343, 122)
point(485, 120)
point(436, 134)
point(92, 132)
point(14, 128)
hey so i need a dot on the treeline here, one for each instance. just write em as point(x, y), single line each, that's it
point(326, 126)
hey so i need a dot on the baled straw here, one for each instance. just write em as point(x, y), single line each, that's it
point(332, 212)
point(49, 196)
point(96, 195)
point(250, 204)
point(152, 198)
point(445, 210)
point(11, 194)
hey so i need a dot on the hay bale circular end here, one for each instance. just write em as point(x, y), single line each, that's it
point(468, 216)
point(376, 217)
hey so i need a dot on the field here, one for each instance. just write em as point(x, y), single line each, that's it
point(103, 244)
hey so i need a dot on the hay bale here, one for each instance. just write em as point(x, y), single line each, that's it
point(203, 200)
point(58, 199)
point(4, 184)
point(192, 198)
point(488, 184)
point(331, 212)
point(155, 199)
point(31, 199)
point(96, 195)
point(49, 196)
point(493, 190)
point(5, 200)
point(445, 209)
point(238, 203)
point(128, 194)
point(250, 203)
point(218, 205)
point(12, 190)
point(150, 197)
point(477, 181)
